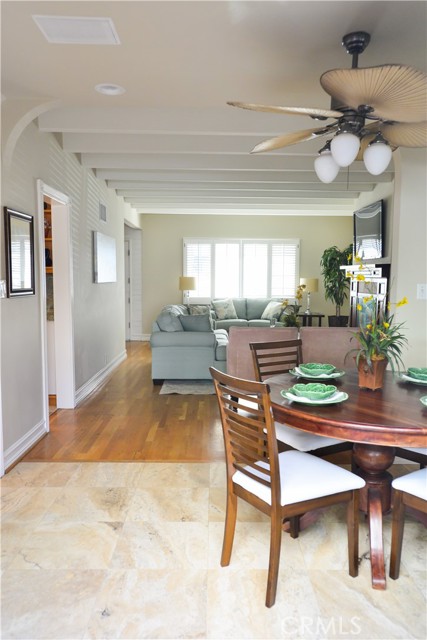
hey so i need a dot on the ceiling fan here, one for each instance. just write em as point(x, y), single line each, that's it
point(375, 109)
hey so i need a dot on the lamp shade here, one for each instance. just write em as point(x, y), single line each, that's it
point(311, 284)
point(187, 283)
point(344, 148)
point(377, 157)
point(325, 167)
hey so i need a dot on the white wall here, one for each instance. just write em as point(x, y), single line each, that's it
point(409, 264)
point(99, 331)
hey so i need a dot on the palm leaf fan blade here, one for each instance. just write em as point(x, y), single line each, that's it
point(292, 138)
point(297, 111)
point(394, 92)
point(405, 134)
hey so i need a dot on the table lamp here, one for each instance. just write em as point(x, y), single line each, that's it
point(187, 284)
point(311, 286)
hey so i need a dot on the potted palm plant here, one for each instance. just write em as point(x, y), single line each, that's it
point(335, 281)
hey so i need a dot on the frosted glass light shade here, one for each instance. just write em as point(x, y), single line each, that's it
point(325, 167)
point(377, 157)
point(344, 148)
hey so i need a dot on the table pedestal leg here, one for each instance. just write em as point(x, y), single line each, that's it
point(373, 462)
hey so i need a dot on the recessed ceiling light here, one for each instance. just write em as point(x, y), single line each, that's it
point(108, 89)
point(77, 30)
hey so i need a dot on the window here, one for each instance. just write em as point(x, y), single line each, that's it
point(230, 268)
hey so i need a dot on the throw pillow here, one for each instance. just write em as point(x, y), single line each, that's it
point(272, 311)
point(199, 309)
point(168, 321)
point(196, 323)
point(224, 309)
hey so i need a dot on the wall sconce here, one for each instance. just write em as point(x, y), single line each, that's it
point(311, 286)
point(187, 284)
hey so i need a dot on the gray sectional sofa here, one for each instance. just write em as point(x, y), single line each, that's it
point(188, 339)
point(246, 312)
point(184, 344)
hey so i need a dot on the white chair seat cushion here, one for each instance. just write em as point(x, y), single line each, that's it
point(301, 440)
point(302, 477)
point(414, 483)
point(419, 450)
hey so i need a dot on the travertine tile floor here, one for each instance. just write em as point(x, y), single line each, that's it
point(131, 550)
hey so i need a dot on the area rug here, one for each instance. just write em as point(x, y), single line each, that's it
point(188, 387)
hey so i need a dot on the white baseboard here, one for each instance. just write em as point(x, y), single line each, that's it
point(140, 337)
point(22, 446)
point(99, 378)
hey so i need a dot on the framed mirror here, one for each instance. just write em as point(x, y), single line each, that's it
point(19, 238)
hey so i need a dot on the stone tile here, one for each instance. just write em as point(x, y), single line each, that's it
point(82, 504)
point(27, 504)
point(150, 604)
point(162, 545)
point(40, 474)
point(48, 605)
point(69, 545)
point(107, 474)
point(178, 475)
point(170, 505)
point(132, 550)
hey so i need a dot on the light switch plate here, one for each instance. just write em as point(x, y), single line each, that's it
point(421, 291)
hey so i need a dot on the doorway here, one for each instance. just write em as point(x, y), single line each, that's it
point(58, 338)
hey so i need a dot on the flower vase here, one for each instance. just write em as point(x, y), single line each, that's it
point(371, 377)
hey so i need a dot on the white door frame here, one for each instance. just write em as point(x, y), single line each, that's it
point(63, 295)
point(128, 288)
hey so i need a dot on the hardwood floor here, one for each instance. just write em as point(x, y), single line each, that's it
point(126, 419)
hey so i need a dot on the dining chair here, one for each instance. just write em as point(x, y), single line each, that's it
point(415, 454)
point(408, 491)
point(273, 358)
point(283, 486)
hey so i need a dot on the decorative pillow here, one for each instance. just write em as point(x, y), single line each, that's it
point(224, 309)
point(168, 321)
point(199, 309)
point(272, 311)
point(196, 323)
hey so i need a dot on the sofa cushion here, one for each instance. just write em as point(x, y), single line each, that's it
point(176, 309)
point(238, 322)
point(221, 346)
point(196, 323)
point(199, 309)
point(255, 307)
point(224, 309)
point(272, 310)
point(169, 321)
point(240, 306)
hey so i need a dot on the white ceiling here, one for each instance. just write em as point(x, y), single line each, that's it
point(170, 144)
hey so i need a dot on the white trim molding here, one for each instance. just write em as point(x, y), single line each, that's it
point(24, 444)
point(99, 378)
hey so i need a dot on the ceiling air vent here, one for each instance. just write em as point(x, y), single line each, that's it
point(102, 212)
point(77, 30)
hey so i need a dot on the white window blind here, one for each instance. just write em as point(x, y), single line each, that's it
point(251, 268)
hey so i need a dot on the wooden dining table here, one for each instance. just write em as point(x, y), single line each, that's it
point(376, 422)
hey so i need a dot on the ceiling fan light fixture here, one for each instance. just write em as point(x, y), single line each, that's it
point(377, 156)
point(345, 147)
point(325, 166)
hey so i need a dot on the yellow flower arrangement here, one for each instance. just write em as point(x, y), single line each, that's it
point(289, 315)
point(380, 337)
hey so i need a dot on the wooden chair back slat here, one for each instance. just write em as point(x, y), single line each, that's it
point(273, 358)
point(248, 428)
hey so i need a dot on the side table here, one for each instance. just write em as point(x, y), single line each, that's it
point(307, 318)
